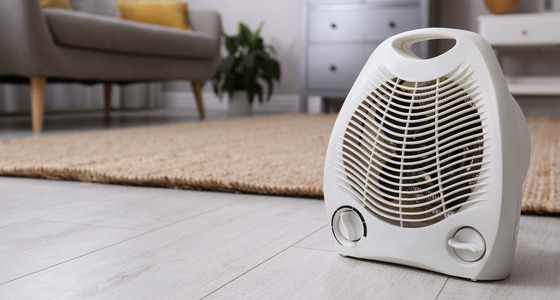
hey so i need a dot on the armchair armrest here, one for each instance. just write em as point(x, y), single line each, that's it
point(208, 22)
point(25, 40)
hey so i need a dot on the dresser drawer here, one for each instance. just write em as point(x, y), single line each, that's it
point(336, 67)
point(520, 29)
point(365, 24)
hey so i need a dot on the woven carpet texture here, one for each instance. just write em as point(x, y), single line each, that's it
point(274, 155)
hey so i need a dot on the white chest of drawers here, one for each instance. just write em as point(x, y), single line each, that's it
point(524, 30)
point(340, 35)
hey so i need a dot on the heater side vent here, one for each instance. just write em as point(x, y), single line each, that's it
point(413, 153)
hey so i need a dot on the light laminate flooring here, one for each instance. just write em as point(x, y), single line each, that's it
point(74, 240)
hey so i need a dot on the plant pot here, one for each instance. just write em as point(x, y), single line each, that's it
point(501, 6)
point(239, 105)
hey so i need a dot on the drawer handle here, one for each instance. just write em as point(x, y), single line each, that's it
point(392, 24)
point(333, 25)
point(332, 68)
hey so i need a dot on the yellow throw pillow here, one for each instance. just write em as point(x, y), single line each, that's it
point(64, 4)
point(165, 13)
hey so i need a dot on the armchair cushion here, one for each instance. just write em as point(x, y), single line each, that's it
point(64, 4)
point(89, 31)
point(164, 13)
point(100, 7)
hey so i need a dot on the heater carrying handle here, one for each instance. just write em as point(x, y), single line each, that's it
point(403, 42)
point(404, 61)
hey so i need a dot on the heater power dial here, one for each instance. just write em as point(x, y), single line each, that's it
point(348, 226)
point(468, 244)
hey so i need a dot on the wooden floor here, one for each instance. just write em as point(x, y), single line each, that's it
point(72, 240)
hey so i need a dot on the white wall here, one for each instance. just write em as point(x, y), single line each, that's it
point(282, 27)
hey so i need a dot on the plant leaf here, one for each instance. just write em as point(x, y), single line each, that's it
point(249, 63)
point(244, 34)
point(230, 44)
point(259, 92)
point(256, 40)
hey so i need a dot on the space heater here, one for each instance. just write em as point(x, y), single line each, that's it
point(427, 158)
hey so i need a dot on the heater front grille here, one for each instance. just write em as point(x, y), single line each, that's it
point(412, 152)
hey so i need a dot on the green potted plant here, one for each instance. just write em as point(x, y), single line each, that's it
point(247, 69)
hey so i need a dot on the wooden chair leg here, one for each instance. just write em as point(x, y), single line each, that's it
point(197, 90)
point(107, 92)
point(38, 85)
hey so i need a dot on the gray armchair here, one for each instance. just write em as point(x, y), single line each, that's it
point(54, 45)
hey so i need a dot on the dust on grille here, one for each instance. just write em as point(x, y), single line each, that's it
point(412, 151)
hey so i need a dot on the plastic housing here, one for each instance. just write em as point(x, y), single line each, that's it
point(359, 183)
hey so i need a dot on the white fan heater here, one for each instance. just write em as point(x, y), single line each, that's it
point(427, 158)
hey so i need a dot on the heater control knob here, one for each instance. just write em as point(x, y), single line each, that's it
point(468, 244)
point(348, 226)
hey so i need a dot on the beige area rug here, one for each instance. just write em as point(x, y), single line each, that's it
point(541, 189)
point(278, 155)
